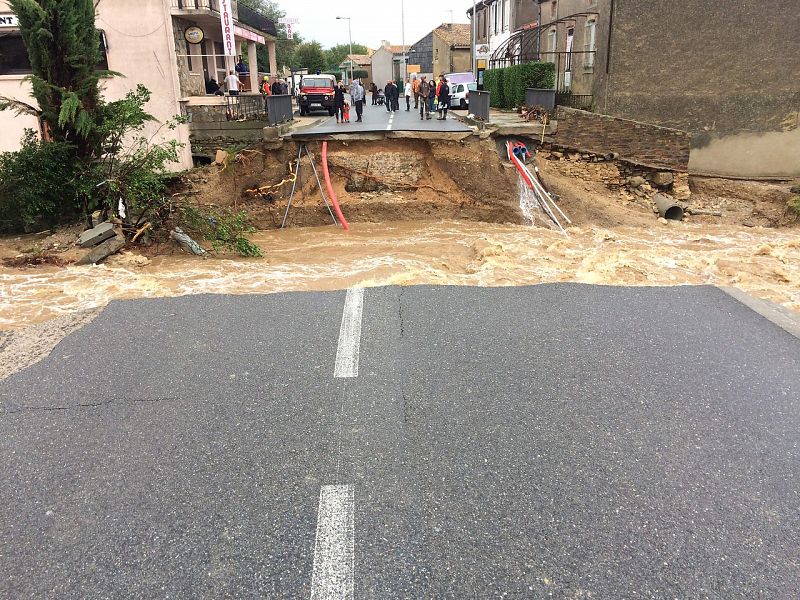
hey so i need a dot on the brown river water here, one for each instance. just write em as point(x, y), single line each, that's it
point(764, 262)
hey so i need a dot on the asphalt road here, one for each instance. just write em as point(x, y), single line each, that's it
point(378, 119)
point(560, 440)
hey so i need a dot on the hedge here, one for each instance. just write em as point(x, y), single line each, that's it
point(507, 86)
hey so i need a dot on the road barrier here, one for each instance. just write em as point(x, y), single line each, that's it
point(540, 97)
point(479, 104)
point(279, 109)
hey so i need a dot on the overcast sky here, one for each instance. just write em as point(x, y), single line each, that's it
point(372, 21)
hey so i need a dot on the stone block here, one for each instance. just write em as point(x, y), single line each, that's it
point(92, 237)
point(107, 248)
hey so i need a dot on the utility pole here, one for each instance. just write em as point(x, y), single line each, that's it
point(403, 38)
point(350, 36)
point(474, 42)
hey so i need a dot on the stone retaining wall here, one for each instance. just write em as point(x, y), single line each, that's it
point(639, 143)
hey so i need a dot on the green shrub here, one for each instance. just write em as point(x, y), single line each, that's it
point(516, 79)
point(225, 229)
point(493, 83)
point(794, 204)
point(37, 183)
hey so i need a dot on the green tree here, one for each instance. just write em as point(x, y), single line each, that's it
point(309, 55)
point(64, 51)
point(335, 55)
point(284, 48)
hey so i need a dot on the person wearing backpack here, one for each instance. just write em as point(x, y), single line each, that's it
point(443, 98)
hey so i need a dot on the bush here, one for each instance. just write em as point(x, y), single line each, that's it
point(360, 74)
point(493, 83)
point(37, 183)
point(516, 79)
point(225, 229)
point(507, 86)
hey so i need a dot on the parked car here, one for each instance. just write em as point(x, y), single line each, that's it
point(316, 90)
point(454, 78)
point(459, 94)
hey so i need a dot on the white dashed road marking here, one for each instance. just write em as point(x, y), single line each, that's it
point(334, 550)
point(349, 335)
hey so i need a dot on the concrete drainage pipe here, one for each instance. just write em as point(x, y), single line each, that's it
point(668, 208)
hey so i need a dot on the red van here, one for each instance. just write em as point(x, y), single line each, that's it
point(316, 90)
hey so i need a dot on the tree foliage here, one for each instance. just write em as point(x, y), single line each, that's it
point(335, 55)
point(284, 48)
point(309, 55)
point(64, 51)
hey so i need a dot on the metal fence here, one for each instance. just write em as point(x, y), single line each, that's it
point(279, 109)
point(245, 108)
point(579, 101)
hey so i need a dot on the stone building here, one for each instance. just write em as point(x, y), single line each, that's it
point(725, 70)
point(446, 49)
point(171, 46)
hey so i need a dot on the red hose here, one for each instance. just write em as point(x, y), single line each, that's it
point(511, 157)
point(331, 193)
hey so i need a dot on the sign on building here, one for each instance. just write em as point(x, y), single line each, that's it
point(289, 21)
point(8, 20)
point(226, 20)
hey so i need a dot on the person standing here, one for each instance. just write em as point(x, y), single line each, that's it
point(388, 95)
point(423, 92)
point(408, 91)
point(232, 83)
point(276, 88)
point(373, 89)
point(357, 96)
point(338, 102)
point(443, 98)
point(396, 96)
point(415, 89)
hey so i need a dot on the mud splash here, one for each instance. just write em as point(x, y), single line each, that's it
point(764, 262)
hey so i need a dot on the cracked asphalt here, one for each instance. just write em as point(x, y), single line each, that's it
point(561, 440)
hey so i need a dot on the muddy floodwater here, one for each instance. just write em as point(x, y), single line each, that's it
point(764, 262)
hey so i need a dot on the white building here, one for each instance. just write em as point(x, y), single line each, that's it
point(172, 47)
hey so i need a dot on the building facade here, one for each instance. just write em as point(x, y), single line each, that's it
point(172, 47)
point(725, 70)
point(446, 49)
point(496, 21)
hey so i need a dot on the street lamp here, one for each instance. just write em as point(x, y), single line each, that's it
point(350, 35)
point(403, 38)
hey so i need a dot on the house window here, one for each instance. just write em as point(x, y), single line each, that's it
point(551, 45)
point(554, 10)
point(14, 55)
point(570, 37)
point(504, 10)
point(495, 18)
point(588, 46)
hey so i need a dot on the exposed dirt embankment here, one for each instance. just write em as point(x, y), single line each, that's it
point(374, 181)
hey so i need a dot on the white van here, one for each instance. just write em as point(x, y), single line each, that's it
point(459, 94)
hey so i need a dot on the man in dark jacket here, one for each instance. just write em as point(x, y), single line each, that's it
point(338, 101)
point(388, 94)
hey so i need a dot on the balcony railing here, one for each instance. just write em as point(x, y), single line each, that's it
point(212, 5)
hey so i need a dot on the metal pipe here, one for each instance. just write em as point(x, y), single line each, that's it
point(668, 208)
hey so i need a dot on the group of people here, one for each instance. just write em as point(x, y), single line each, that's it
point(428, 96)
point(342, 108)
point(234, 85)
